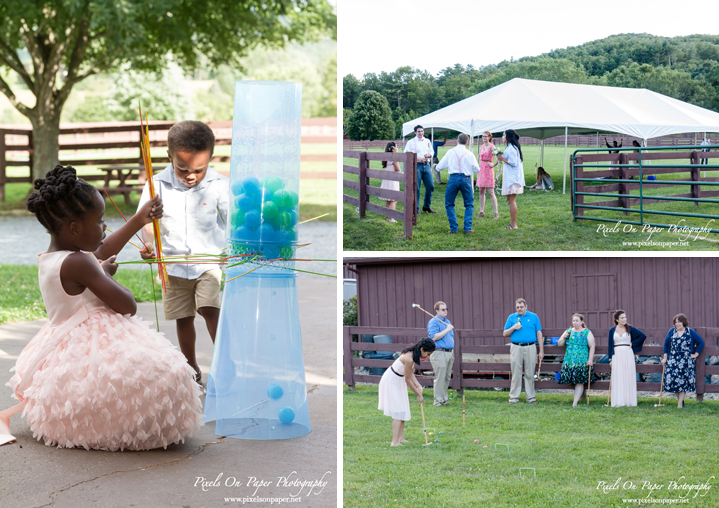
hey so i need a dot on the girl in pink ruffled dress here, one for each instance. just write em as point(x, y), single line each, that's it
point(95, 376)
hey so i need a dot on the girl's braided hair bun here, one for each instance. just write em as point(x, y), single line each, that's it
point(60, 196)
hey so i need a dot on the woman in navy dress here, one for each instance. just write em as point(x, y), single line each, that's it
point(681, 347)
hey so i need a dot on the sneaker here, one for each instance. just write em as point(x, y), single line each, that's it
point(513, 401)
point(532, 401)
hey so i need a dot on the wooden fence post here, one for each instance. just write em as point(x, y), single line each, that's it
point(30, 154)
point(363, 183)
point(695, 189)
point(410, 194)
point(624, 202)
point(347, 357)
point(2, 165)
point(457, 377)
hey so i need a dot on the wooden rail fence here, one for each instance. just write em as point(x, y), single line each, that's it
point(16, 150)
point(483, 375)
point(365, 190)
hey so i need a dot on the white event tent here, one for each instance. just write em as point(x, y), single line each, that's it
point(544, 109)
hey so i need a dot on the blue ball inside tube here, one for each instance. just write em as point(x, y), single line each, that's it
point(286, 415)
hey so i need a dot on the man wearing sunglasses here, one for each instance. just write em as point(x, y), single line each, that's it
point(440, 330)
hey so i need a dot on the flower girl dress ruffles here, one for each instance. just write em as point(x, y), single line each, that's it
point(96, 379)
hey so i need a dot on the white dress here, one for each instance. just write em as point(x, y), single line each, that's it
point(390, 184)
point(393, 396)
point(624, 372)
point(513, 172)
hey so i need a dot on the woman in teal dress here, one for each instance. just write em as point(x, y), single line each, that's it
point(579, 356)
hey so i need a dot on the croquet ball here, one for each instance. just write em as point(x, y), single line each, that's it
point(485, 446)
point(269, 210)
point(286, 414)
point(436, 440)
point(251, 185)
point(441, 433)
point(236, 187)
point(253, 219)
point(272, 183)
point(247, 202)
point(431, 433)
point(274, 391)
point(476, 440)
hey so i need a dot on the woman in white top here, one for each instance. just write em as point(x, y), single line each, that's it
point(513, 176)
point(391, 184)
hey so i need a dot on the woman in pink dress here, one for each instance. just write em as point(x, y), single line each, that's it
point(393, 398)
point(485, 179)
point(95, 376)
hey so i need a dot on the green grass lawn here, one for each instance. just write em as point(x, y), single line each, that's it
point(571, 449)
point(545, 220)
point(20, 298)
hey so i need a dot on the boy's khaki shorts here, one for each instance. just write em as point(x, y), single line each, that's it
point(179, 301)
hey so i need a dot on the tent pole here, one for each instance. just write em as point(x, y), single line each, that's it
point(705, 138)
point(564, 181)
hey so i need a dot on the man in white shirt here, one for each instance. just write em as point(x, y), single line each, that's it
point(423, 148)
point(462, 164)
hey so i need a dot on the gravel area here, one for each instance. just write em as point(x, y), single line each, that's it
point(22, 238)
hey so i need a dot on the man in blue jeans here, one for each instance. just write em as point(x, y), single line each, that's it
point(461, 163)
point(423, 148)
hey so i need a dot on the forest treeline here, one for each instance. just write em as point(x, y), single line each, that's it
point(685, 68)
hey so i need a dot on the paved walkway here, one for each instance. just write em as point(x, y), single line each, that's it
point(35, 475)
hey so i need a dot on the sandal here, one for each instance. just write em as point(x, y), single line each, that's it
point(390, 219)
point(481, 214)
point(496, 215)
point(510, 227)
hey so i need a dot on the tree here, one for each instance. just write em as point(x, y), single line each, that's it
point(69, 40)
point(371, 118)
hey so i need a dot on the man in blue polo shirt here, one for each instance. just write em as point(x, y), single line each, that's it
point(439, 329)
point(526, 331)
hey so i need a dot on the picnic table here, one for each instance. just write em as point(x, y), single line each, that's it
point(122, 174)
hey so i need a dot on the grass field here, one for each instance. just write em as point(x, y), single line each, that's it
point(20, 298)
point(317, 196)
point(545, 220)
point(571, 450)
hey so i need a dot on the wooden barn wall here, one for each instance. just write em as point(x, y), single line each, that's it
point(480, 294)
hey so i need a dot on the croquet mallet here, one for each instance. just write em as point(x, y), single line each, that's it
point(430, 315)
point(424, 425)
point(589, 383)
point(661, 390)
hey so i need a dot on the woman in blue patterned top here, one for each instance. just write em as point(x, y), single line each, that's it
point(681, 347)
point(579, 356)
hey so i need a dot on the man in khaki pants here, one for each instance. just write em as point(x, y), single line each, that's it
point(439, 329)
point(526, 331)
